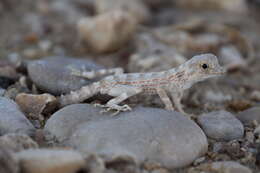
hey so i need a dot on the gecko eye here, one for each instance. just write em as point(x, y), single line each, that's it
point(204, 66)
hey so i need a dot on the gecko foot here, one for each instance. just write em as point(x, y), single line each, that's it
point(117, 108)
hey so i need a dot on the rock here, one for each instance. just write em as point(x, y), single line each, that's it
point(8, 164)
point(17, 142)
point(135, 7)
point(63, 122)
point(108, 31)
point(50, 161)
point(249, 115)
point(231, 58)
point(150, 134)
point(12, 120)
point(221, 167)
point(53, 74)
point(43, 103)
point(221, 125)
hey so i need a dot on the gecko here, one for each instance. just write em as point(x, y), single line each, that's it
point(169, 84)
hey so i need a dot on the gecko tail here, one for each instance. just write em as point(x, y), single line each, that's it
point(80, 95)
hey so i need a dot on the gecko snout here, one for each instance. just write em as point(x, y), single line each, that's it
point(219, 70)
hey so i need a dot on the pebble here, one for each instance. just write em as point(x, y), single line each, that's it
point(17, 142)
point(12, 120)
point(221, 167)
point(221, 125)
point(43, 103)
point(8, 164)
point(108, 31)
point(150, 134)
point(53, 74)
point(249, 115)
point(135, 7)
point(50, 161)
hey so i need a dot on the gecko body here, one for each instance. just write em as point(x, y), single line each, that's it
point(169, 84)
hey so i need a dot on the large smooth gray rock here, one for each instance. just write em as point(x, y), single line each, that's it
point(63, 122)
point(221, 125)
point(249, 115)
point(144, 134)
point(12, 120)
point(53, 74)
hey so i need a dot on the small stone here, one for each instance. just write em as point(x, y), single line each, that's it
point(108, 31)
point(8, 164)
point(50, 161)
point(255, 95)
point(231, 58)
point(221, 125)
point(35, 105)
point(54, 75)
point(9, 71)
point(12, 120)
point(136, 8)
point(17, 142)
point(144, 134)
point(249, 115)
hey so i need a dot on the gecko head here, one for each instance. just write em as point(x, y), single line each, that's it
point(203, 66)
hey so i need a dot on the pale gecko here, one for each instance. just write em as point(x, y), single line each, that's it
point(169, 84)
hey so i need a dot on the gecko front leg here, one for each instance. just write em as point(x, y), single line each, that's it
point(97, 73)
point(165, 98)
point(121, 93)
point(176, 98)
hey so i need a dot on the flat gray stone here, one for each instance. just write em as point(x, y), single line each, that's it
point(12, 120)
point(249, 115)
point(53, 74)
point(221, 125)
point(63, 122)
point(150, 134)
